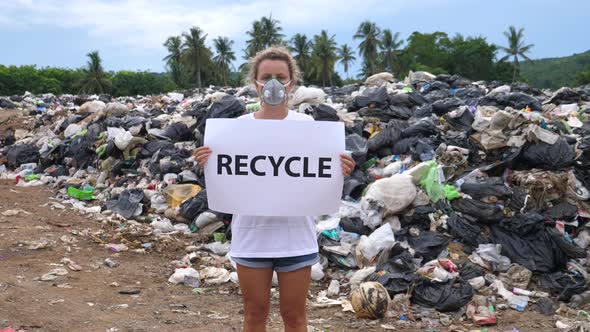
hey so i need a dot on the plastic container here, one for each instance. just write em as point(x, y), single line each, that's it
point(83, 195)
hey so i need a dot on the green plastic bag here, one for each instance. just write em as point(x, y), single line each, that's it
point(434, 186)
point(83, 195)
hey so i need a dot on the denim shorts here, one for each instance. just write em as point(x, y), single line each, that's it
point(281, 264)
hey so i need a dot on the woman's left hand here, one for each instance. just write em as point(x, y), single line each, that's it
point(348, 164)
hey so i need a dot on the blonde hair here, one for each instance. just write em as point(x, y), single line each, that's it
point(273, 53)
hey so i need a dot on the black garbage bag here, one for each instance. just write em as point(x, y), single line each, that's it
point(486, 187)
point(419, 218)
point(428, 245)
point(228, 107)
point(5, 103)
point(375, 95)
point(355, 184)
point(178, 132)
point(114, 122)
point(356, 128)
point(386, 113)
point(444, 106)
point(382, 143)
point(566, 284)
point(127, 204)
point(400, 260)
point(437, 95)
point(548, 156)
point(134, 121)
point(409, 99)
point(323, 112)
point(469, 271)
point(480, 212)
point(191, 208)
point(565, 95)
point(516, 100)
point(436, 85)
point(563, 211)
point(545, 306)
point(22, 154)
point(359, 148)
point(460, 120)
point(423, 112)
point(443, 296)
point(422, 150)
point(470, 94)
point(527, 241)
point(354, 225)
point(395, 283)
point(166, 149)
point(464, 230)
point(353, 188)
point(81, 151)
point(422, 128)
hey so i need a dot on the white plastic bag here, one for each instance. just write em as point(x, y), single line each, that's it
point(178, 275)
point(317, 272)
point(123, 139)
point(393, 194)
point(382, 238)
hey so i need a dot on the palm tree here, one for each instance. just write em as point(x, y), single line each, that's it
point(264, 33)
point(95, 80)
point(515, 47)
point(301, 46)
point(390, 44)
point(324, 56)
point(272, 31)
point(369, 33)
point(173, 60)
point(195, 53)
point(346, 56)
point(224, 56)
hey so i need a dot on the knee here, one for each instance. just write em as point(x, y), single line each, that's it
point(255, 312)
point(293, 317)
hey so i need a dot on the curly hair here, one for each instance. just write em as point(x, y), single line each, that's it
point(273, 53)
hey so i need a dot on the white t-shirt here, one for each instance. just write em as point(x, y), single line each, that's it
point(273, 237)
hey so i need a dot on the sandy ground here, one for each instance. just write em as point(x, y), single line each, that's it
point(86, 300)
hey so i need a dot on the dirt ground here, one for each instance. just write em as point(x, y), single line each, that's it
point(86, 300)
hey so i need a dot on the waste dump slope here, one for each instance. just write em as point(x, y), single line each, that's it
point(94, 304)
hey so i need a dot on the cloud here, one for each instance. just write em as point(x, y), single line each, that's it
point(145, 25)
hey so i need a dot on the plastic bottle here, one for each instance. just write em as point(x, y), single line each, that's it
point(580, 299)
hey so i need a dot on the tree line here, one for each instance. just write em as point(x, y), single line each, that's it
point(15, 80)
point(190, 63)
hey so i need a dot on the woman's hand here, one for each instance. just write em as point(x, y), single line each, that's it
point(202, 155)
point(348, 164)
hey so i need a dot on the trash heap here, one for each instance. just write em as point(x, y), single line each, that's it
point(468, 197)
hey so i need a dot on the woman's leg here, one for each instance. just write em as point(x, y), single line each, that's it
point(255, 284)
point(293, 287)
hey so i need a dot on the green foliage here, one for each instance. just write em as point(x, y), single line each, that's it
point(370, 35)
point(471, 57)
point(554, 73)
point(16, 80)
point(301, 49)
point(515, 48)
point(583, 77)
point(94, 80)
point(346, 57)
point(130, 83)
point(323, 58)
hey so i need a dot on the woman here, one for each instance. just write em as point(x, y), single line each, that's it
point(286, 244)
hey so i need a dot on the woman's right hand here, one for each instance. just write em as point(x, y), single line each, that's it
point(201, 155)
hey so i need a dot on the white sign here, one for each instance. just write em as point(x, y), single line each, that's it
point(274, 167)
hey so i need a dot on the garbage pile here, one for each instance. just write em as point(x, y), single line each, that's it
point(468, 197)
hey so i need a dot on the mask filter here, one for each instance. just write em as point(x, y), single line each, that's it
point(273, 91)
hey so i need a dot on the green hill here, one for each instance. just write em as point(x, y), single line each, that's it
point(555, 72)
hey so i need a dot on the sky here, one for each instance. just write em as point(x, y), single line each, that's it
point(129, 33)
